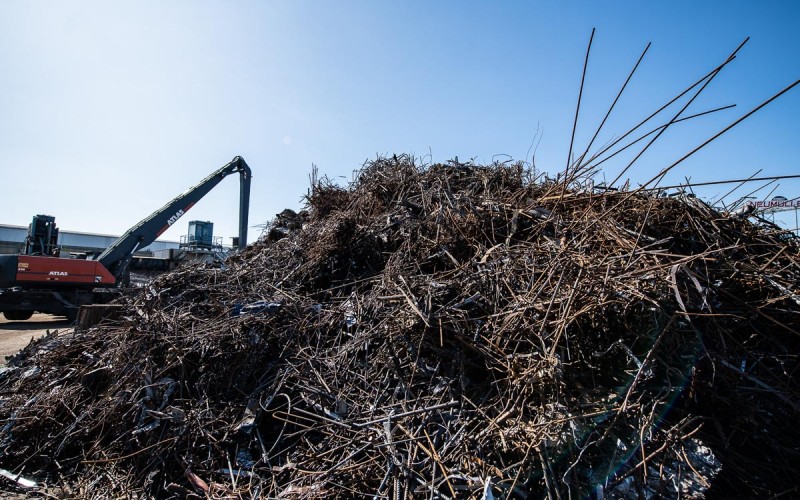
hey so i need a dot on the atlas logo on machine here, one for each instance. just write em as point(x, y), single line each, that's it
point(59, 273)
point(172, 220)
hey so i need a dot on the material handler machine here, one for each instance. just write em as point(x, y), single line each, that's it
point(41, 282)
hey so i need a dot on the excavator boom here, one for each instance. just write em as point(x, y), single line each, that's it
point(117, 256)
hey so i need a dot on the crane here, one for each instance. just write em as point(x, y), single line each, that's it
point(60, 286)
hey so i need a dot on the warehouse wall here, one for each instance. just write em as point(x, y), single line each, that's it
point(12, 240)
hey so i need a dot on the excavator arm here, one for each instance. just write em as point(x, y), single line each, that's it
point(117, 256)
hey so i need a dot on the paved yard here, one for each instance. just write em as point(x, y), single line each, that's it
point(14, 335)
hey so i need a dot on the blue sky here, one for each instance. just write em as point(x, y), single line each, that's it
point(110, 109)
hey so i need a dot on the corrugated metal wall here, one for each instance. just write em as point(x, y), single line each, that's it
point(12, 240)
point(13, 233)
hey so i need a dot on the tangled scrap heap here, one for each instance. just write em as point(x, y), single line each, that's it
point(447, 331)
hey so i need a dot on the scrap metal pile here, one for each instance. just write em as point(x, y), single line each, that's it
point(444, 331)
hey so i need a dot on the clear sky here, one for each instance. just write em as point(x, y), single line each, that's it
point(110, 109)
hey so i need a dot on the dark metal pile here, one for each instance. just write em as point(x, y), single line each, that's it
point(453, 331)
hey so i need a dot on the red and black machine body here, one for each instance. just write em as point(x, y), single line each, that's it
point(53, 285)
point(59, 286)
point(40, 271)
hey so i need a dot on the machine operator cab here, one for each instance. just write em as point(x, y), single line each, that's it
point(201, 235)
point(200, 243)
point(42, 238)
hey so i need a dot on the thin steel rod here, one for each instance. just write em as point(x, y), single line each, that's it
point(715, 136)
point(679, 113)
point(642, 137)
point(578, 107)
point(610, 109)
point(751, 193)
point(662, 108)
point(712, 183)
point(722, 198)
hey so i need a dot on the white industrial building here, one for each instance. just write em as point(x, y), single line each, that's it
point(12, 240)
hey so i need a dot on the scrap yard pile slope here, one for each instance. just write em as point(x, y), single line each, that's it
point(446, 331)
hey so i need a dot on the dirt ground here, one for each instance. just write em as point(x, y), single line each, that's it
point(14, 335)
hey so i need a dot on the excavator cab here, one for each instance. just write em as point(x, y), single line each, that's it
point(201, 235)
point(42, 236)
